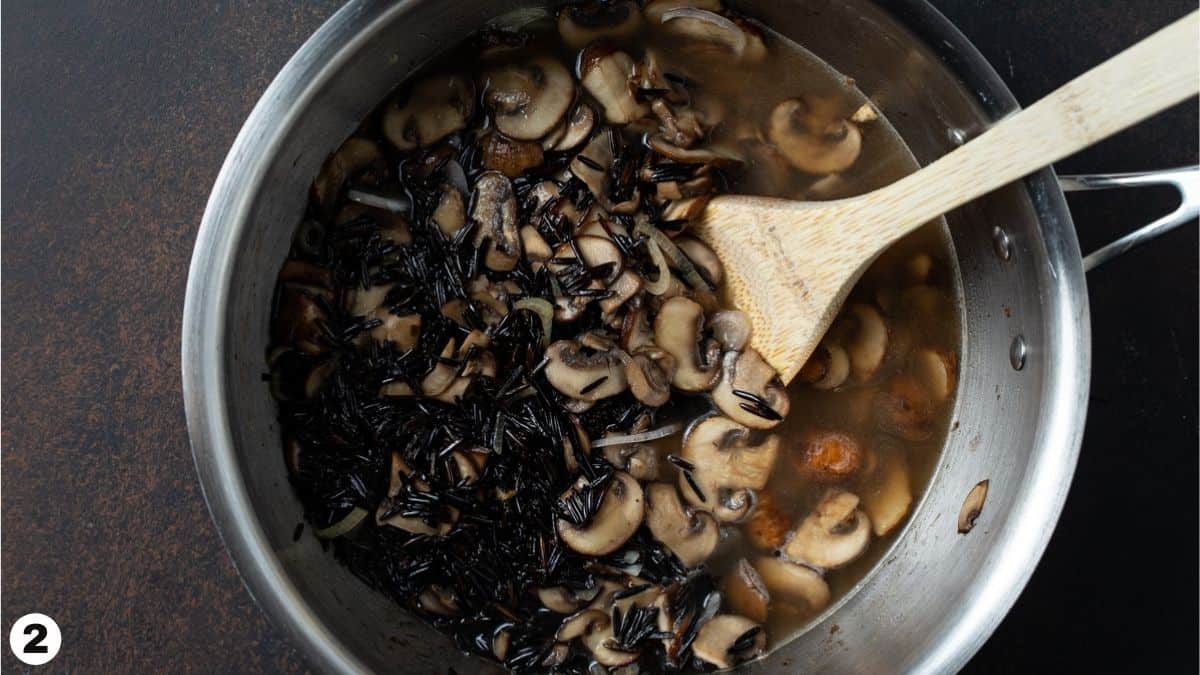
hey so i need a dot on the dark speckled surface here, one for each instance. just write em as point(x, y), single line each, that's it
point(116, 117)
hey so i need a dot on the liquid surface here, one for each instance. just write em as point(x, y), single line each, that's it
point(865, 420)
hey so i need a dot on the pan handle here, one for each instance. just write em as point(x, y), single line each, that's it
point(1185, 179)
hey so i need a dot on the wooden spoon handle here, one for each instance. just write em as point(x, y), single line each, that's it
point(1149, 77)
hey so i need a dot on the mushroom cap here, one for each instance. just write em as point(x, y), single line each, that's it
point(624, 287)
point(835, 533)
point(729, 461)
point(827, 456)
point(731, 328)
point(744, 592)
point(690, 535)
point(353, 156)
point(649, 373)
point(608, 75)
point(827, 368)
point(811, 138)
point(935, 369)
point(576, 374)
point(509, 156)
point(768, 525)
point(750, 391)
point(677, 331)
point(579, 125)
point(887, 496)
point(868, 342)
point(972, 506)
point(495, 209)
point(903, 407)
point(435, 108)
point(528, 99)
point(599, 640)
point(639, 460)
point(579, 24)
point(619, 516)
point(795, 583)
point(719, 635)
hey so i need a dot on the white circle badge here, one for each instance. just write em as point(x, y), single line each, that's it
point(35, 639)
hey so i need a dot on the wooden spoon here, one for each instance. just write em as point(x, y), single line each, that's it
point(790, 265)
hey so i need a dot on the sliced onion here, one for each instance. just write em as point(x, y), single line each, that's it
point(394, 204)
point(543, 309)
point(678, 259)
point(652, 435)
point(737, 35)
point(347, 523)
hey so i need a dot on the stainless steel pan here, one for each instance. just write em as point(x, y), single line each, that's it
point(1025, 363)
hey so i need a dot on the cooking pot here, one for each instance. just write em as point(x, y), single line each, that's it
point(1018, 420)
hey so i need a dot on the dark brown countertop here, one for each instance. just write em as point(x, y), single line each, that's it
point(116, 118)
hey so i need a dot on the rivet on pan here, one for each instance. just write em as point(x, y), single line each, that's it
point(1002, 243)
point(957, 136)
point(1016, 352)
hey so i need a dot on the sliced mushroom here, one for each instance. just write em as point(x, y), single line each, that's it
point(767, 527)
point(619, 516)
point(558, 599)
point(537, 251)
point(443, 374)
point(827, 368)
point(690, 535)
point(797, 584)
point(680, 128)
point(868, 341)
point(402, 331)
point(703, 257)
point(608, 75)
point(579, 24)
point(935, 369)
point(298, 317)
point(435, 108)
point(579, 126)
point(654, 9)
point(726, 640)
point(972, 507)
point(731, 328)
point(528, 99)
point(812, 137)
point(639, 460)
point(835, 533)
point(353, 157)
point(597, 251)
point(600, 641)
point(827, 456)
point(451, 212)
point(510, 157)
point(438, 600)
point(903, 407)
point(624, 287)
point(592, 163)
point(729, 462)
point(585, 377)
point(750, 391)
point(714, 154)
point(677, 331)
point(888, 496)
point(495, 209)
point(580, 624)
point(635, 330)
point(744, 592)
point(649, 373)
